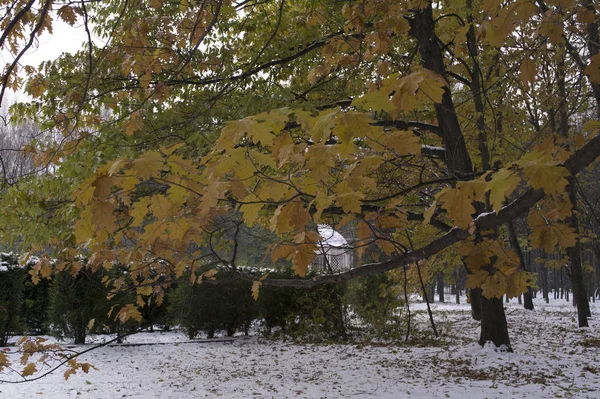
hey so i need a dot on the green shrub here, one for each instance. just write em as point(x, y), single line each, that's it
point(11, 298)
point(375, 301)
point(225, 304)
point(76, 300)
point(315, 314)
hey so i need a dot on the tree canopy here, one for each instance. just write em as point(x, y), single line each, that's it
point(421, 124)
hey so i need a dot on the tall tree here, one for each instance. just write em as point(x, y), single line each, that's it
point(188, 119)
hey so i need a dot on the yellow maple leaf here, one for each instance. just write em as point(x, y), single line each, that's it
point(282, 251)
point(148, 164)
point(104, 217)
point(476, 278)
point(494, 286)
point(459, 206)
point(29, 370)
point(544, 172)
point(180, 166)
point(552, 28)
point(528, 71)
point(319, 160)
point(133, 124)
point(377, 101)
point(255, 289)
point(292, 216)
point(501, 185)
point(161, 207)
point(127, 312)
point(302, 258)
point(348, 198)
point(593, 70)
point(251, 212)
point(402, 142)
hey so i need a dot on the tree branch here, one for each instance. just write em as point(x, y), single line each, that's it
point(576, 163)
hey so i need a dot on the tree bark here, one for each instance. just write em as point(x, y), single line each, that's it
point(514, 242)
point(458, 160)
point(574, 253)
point(493, 323)
point(440, 287)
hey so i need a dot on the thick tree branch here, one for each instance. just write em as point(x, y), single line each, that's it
point(576, 163)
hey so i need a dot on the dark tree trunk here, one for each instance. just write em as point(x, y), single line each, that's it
point(574, 253)
point(440, 286)
point(80, 336)
point(493, 323)
point(545, 283)
point(458, 160)
point(475, 297)
point(514, 242)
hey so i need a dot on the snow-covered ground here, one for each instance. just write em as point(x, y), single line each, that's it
point(552, 359)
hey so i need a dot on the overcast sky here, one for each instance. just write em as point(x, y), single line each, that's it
point(65, 38)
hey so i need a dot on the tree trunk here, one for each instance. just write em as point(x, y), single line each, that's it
point(458, 160)
point(80, 336)
point(574, 253)
point(440, 286)
point(514, 243)
point(493, 323)
point(475, 297)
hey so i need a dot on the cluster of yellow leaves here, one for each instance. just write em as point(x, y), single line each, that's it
point(504, 19)
point(494, 268)
point(403, 94)
point(540, 168)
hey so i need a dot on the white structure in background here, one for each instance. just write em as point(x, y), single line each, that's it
point(334, 254)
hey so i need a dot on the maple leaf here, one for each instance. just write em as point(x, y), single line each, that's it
point(302, 258)
point(104, 218)
point(528, 71)
point(178, 195)
point(477, 278)
point(459, 206)
point(320, 159)
point(552, 28)
point(518, 283)
point(282, 251)
point(127, 312)
point(161, 207)
point(403, 142)
point(178, 229)
point(133, 124)
point(3, 361)
point(350, 201)
point(84, 228)
point(593, 69)
point(67, 14)
point(102, 184)
point(494, 286)
point(148, 164)
point(29, 370)
point(251, 212)
point(551, 178)
point(502, 184)
point(547, 235)
point(428, 214)
point(180, 166)
point(282, 148)
point(255, 289)
point(432, 85)
point(476, 256)
point(292, 216)
point(257, 284)
point(377, 101)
